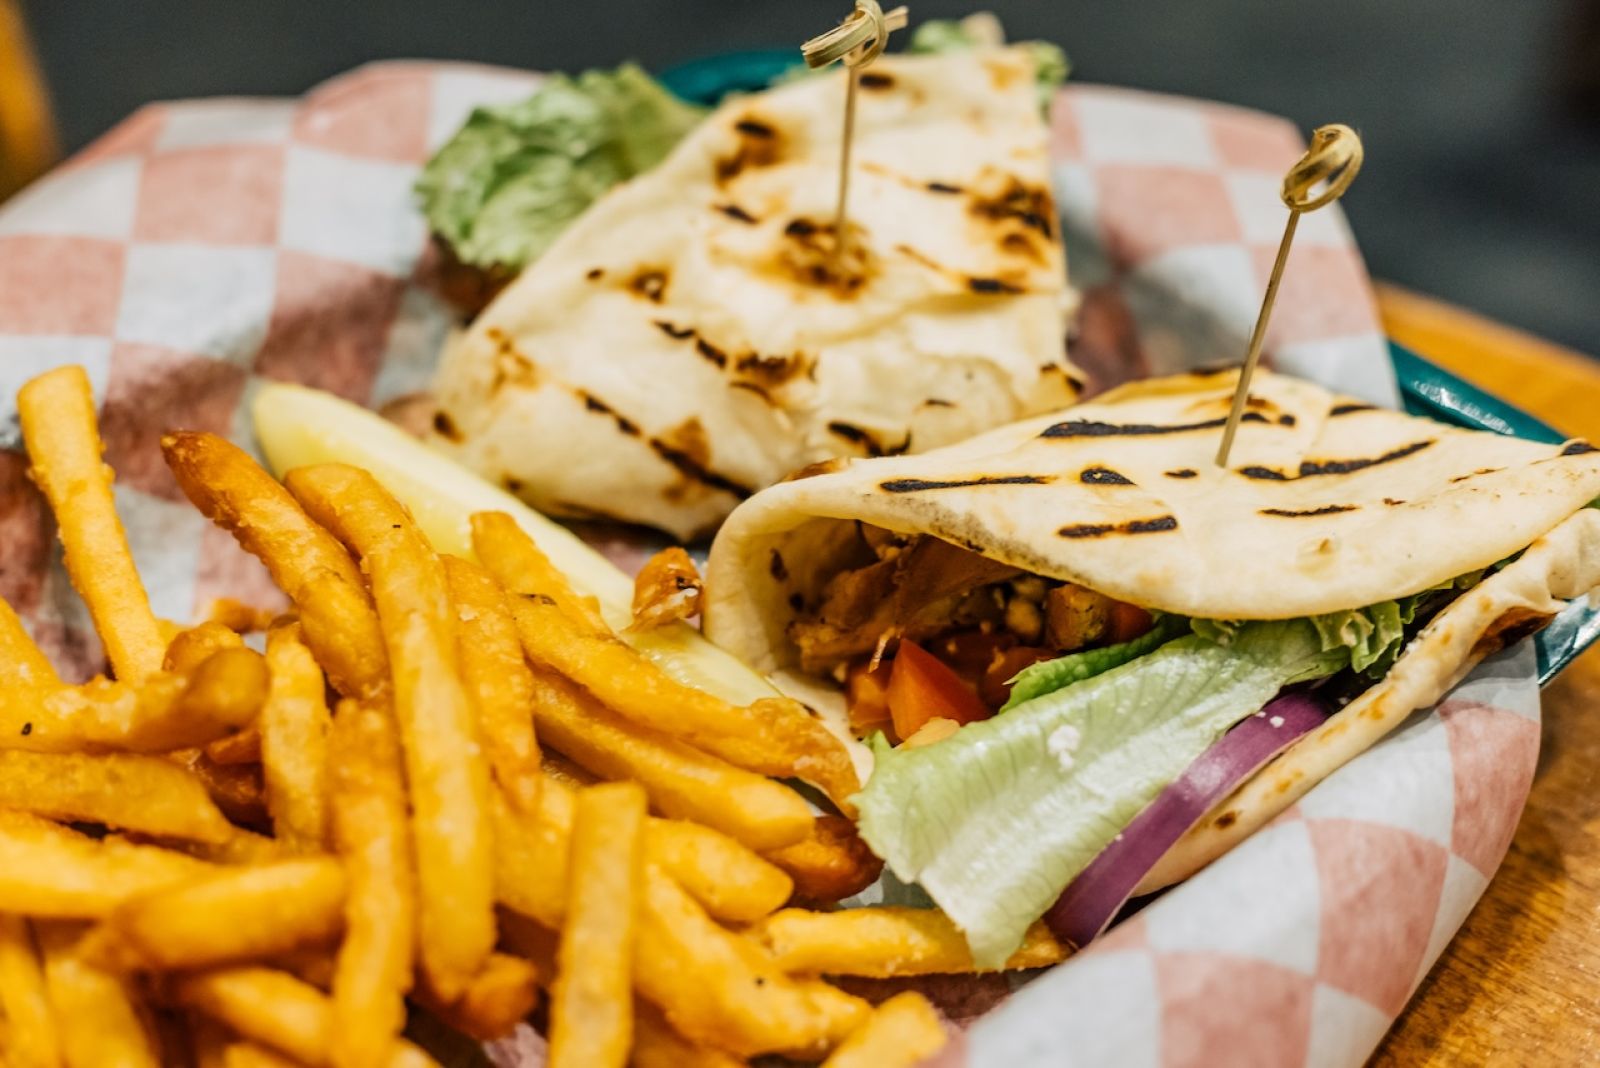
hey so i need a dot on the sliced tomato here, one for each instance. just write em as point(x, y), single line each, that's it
point(867, 697)
point(1127, 622)
point(995, 688)
point(921, 688)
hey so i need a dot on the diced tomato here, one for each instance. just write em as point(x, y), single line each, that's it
point(1128, 622)
point(995, 687)
point(867, 697)
point(921, 688)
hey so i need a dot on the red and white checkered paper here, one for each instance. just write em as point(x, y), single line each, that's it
point(200, 248)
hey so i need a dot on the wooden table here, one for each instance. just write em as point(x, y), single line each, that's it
point(1520, 984)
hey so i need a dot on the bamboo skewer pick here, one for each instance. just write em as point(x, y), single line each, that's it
point(1335, 157)
point(858, 40)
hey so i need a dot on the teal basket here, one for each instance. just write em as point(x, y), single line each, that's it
point(1425, 388)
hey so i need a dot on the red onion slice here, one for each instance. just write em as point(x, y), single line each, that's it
point(1091, 901)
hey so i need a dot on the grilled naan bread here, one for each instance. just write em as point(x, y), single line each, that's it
point(1327, 504)
point(692, 338)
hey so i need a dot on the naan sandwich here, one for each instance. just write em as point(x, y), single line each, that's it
point(693, 337)
point(1090, 661)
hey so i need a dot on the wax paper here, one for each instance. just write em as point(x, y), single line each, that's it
point(200, 248)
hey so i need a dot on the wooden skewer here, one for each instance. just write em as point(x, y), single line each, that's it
point(858, 40)
point(1335, 157)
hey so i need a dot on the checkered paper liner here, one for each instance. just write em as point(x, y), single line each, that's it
point(200, 248)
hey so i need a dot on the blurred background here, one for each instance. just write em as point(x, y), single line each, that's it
point(1481, 117)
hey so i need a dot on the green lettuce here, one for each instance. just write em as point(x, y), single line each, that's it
point(951, 35)
point(1374, 635)
point(516, 175)
point(994, 821)
point(1052, 675)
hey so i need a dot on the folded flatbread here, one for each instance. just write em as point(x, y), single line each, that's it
point(691, 338)
point(1328, 504)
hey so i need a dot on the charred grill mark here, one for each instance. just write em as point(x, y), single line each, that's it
point(1312, 468)
point(710, 352)
point(917, 485)
point(1091, 428)
point(600, 407)
point(876, 79)
point(992, 285)
point(1351, 409)
point(734, 211)
point(797, 603)
point(1104, 476)
point(446, 427)
point(1156, 525)
point(820, 467)
point(800, 228)
point(751, 387)
point(1181, 472)
point(1344, 467)
point(1393, 502)
point(1286, 419)
point(759, 146)
point(649, 283)
point(938, 402)
point(1475, 474)
point(942, 187)
point(870, 445)
point(1577, 448)
point(692, 469)
point(774, 370)
point(511, 485)
point(594, 274)
point(1031, 207)
point(778, 569)
point(677, 333)
point(1296, 513)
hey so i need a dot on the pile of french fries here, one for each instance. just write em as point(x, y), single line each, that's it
point(445, 787)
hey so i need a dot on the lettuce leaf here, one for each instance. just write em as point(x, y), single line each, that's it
point(994, 821)
point(1374, 635)
point(1052, 675)
point(516, 175)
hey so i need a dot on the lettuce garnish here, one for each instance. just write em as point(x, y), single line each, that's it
point(516, 175)
point(994, 821)
point(1052, 675)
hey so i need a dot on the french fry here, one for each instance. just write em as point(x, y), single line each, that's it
point(133, 793)
point(236, 788)
point(47, 870)
point(57, 414)
point(730, 880)
point(230, 915)
point(158, 714)
point(591, 1003)
point(499, 680)
point(241, 748)
point(555, 766)
point(831, 864)
point(241, 847)
point(231, 489)
point(238, 616)
point(104, 1024)
point(666, 590)
point(530, 855)
point(34, 1040)
point(373, 968)
point(882, 942)
point(342, 629)
point(22, 664)
point(901, 1033)
point(276, 1010)
point(680, 780)
point(294, 742)
point(448, 780)
point(518, 564)
point(497, 999)
point(657, 1045)
point(208, 1041)
point(740, 1000)
point(250, 1055)
point(194, 645)
point(773, 736)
